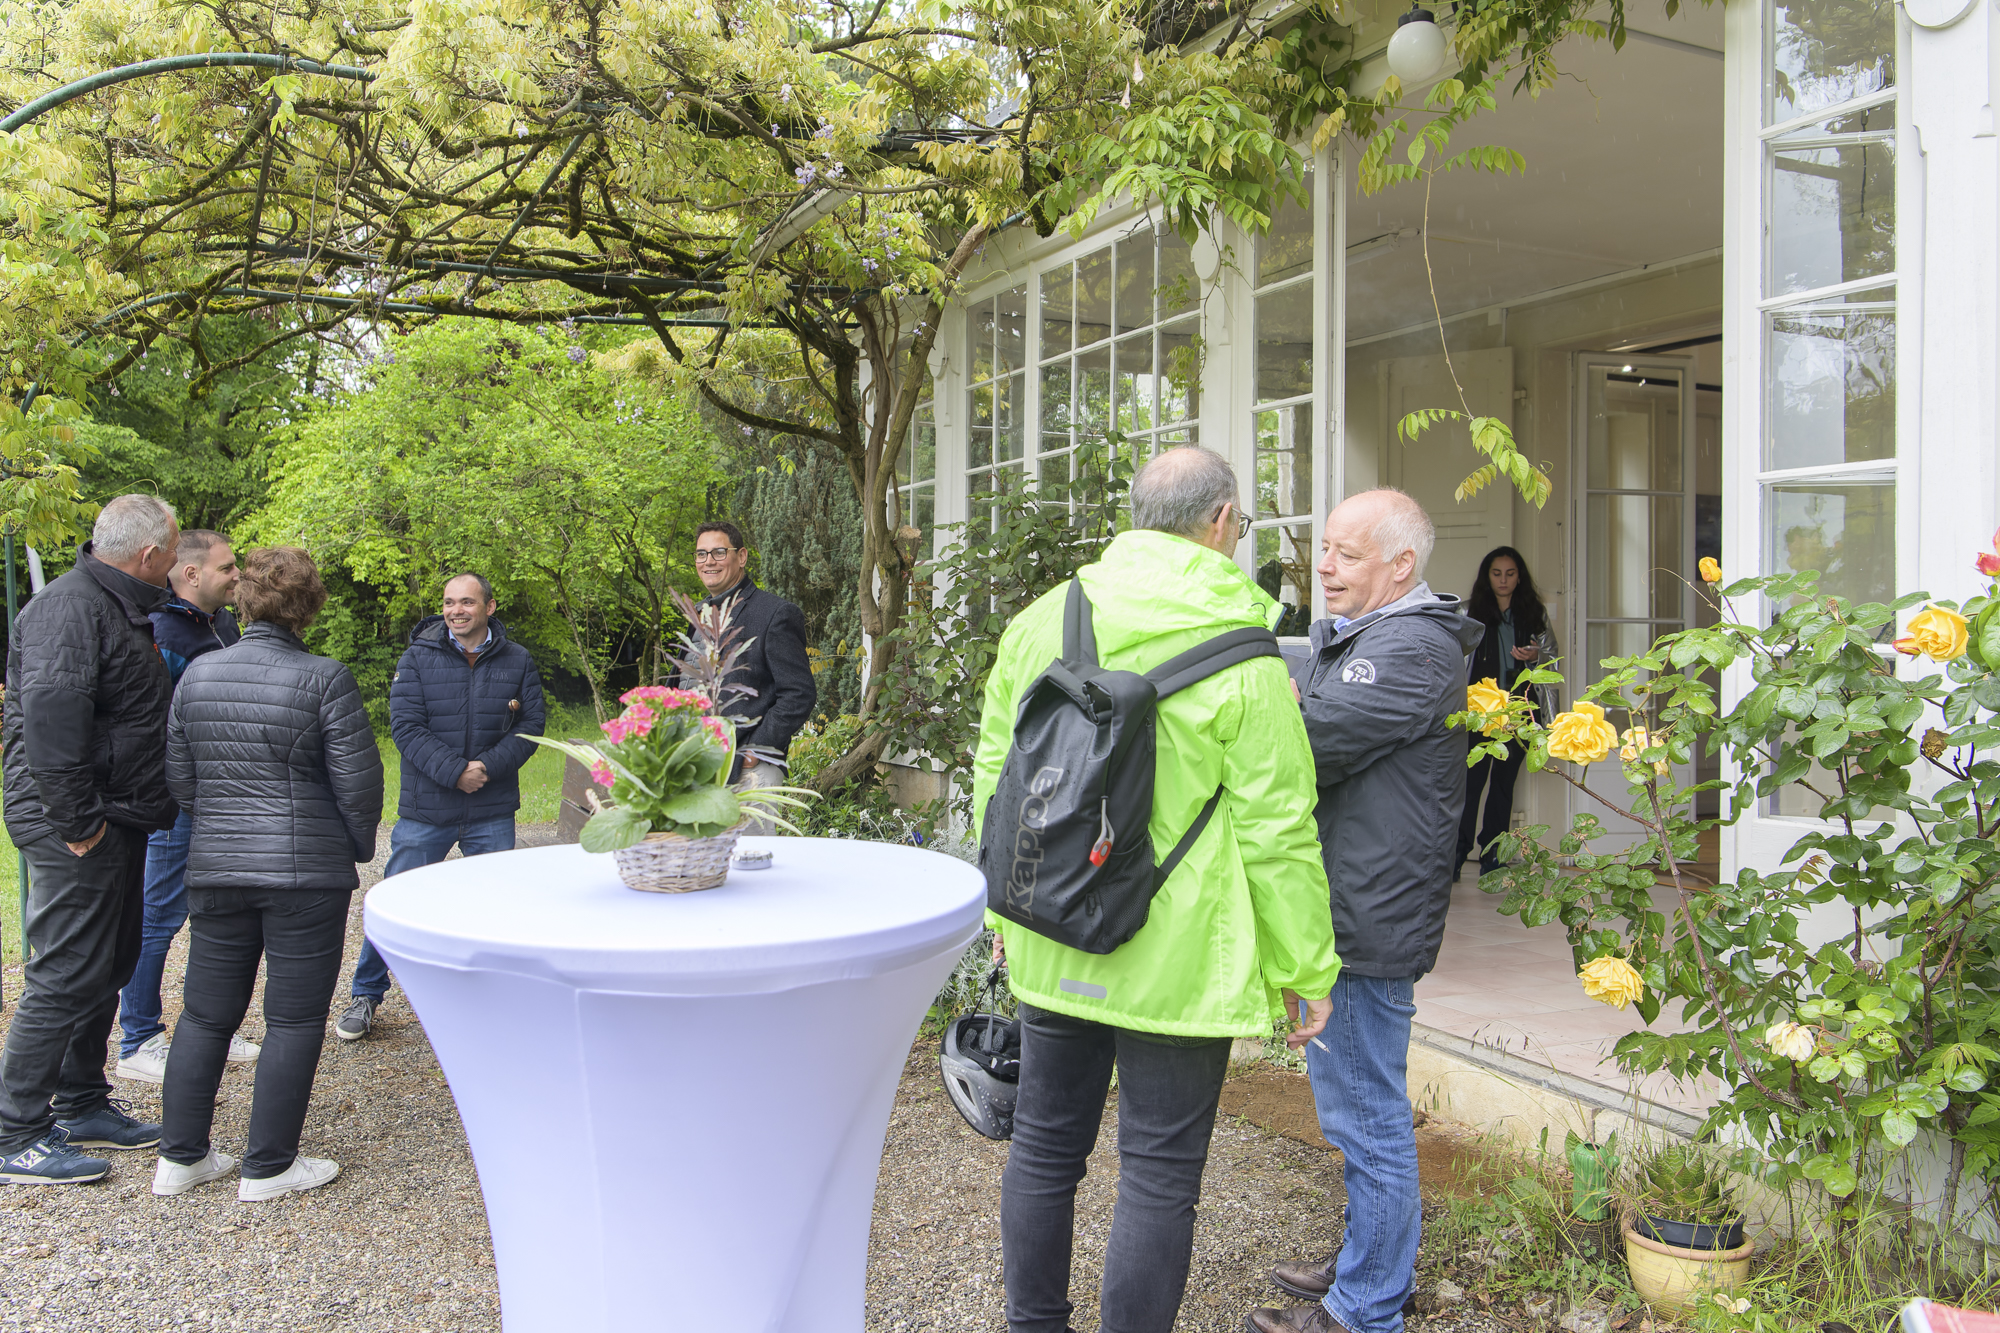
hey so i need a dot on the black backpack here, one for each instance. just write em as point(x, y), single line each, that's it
point(1065, 847)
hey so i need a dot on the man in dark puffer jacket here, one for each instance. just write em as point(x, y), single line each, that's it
point(462, 699)
point(85, 739)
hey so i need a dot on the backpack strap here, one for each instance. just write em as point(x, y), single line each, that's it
point(1187, 842)
point(1079, 639)
point(1205, 659)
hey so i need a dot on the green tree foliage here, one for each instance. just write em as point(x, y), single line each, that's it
point(206, 455)
point(510, 452)
point(805, 524)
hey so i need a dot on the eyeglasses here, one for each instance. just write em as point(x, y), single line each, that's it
point(717, 553)
point(1242, 523)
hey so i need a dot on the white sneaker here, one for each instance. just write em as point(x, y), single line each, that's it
point(305, 1173)
point(241, 1051)
point(148, 1064)
point(173, 1178)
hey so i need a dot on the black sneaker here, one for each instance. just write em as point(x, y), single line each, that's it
point(356, 1019)
point(111, 1125)
point(51, 1161)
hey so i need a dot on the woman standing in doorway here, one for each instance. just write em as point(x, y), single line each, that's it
point(1504, 600)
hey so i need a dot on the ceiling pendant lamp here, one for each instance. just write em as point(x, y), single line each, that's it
point(1417, 51)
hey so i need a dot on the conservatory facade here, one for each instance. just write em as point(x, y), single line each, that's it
point(1742, 304)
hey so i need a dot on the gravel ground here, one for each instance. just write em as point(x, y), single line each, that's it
point(399, 1242)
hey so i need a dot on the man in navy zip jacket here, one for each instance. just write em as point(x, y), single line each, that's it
point(463, 698)
point(195, 620)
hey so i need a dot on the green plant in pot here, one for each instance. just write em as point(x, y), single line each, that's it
point(1686, 1234)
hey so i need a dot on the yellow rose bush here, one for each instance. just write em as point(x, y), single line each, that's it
point(1582, 735)
point(1612, 980)
point(1830, 1069)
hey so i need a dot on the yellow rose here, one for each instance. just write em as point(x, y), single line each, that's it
point(1612, 980)
point(1582, 735)
point(1636, 741)
point(1791, 1040)
point(1711, 569)
point(1937, 633)
point(1487, 697)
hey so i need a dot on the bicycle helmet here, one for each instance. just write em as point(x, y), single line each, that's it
point(980, 1059)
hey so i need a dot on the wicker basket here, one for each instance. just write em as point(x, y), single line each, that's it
point(675, 863)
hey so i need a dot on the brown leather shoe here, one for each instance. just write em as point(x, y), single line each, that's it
point(1297, 1319)
point(1307, 1281)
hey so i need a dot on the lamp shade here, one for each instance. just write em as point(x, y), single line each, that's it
point(1417, 50)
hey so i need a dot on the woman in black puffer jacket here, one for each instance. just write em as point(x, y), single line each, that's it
point(271, 748)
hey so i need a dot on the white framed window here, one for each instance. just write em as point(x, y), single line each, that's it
point(916, 476)
point(1285, 417)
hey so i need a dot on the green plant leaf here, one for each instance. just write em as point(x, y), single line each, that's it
point(703, 805)
point(610, 829)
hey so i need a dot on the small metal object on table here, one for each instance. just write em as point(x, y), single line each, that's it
point(677, 1102)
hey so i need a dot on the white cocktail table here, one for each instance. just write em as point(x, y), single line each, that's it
point(676, 1102)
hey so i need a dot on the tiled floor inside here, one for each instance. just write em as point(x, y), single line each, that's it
point(1504, 985)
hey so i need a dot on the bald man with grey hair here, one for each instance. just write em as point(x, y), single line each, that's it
point(1387, 667)
point(84, 737)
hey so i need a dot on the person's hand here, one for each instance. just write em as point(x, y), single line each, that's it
point(1297, 698)
point(1526, 653)
point(473, 778)
point(1317, 1012)
point(749, 761)
point(999, 948)
point(83, 848)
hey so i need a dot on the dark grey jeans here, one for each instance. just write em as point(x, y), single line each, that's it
point(84, 919)
point(1167, 1092)
point(298, 933)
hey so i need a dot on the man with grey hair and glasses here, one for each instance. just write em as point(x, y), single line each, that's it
point(84, 738)
point(1385, 671)
point(1241, 918)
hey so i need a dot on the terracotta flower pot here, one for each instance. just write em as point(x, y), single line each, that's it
point(1668, 1277)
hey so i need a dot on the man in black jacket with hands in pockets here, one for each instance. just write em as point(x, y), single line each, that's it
point(85, 742)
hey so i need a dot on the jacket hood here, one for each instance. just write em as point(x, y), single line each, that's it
point(431, 632)
point(181, 606)
point(138, 596)
point(1418, 601)
point(1152, 584)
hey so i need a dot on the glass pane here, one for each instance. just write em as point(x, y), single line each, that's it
point(979, 508)
point(1832, 215)
point(1284, 343)
point(1287, 249)
point(1847, 531)
point(1093, 390)
point(1135, 281)
point(1135, 383)
point(1637, 567)
point(1012, 417)
point(1057, 314)
point(1634, 441)
point(1875, 120)
point(980, 334)
point(1832, 376)
point(1055, 404)
point(979, 403)
point(1180, 289)
point(1010, 330)
point(1180, 371)
point(1825, 52)
point(1093, 297)
point(1284, 461)
point(921, 453)
point(1285, 570)
point(1055, 482)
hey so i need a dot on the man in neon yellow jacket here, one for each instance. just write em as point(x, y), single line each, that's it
point(1244, 920)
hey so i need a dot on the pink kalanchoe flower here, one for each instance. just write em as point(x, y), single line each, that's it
point(639, 719)
point(717, 728)
point(601, 774)
point(614, 730)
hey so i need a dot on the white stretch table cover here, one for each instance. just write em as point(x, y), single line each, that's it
point(676, 1102)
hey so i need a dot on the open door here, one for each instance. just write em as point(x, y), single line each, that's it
point(1431, 469)
point(1633, 562)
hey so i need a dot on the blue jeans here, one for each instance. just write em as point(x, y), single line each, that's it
point(412, 844)
point(165, 913)
point(1360, 1085)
